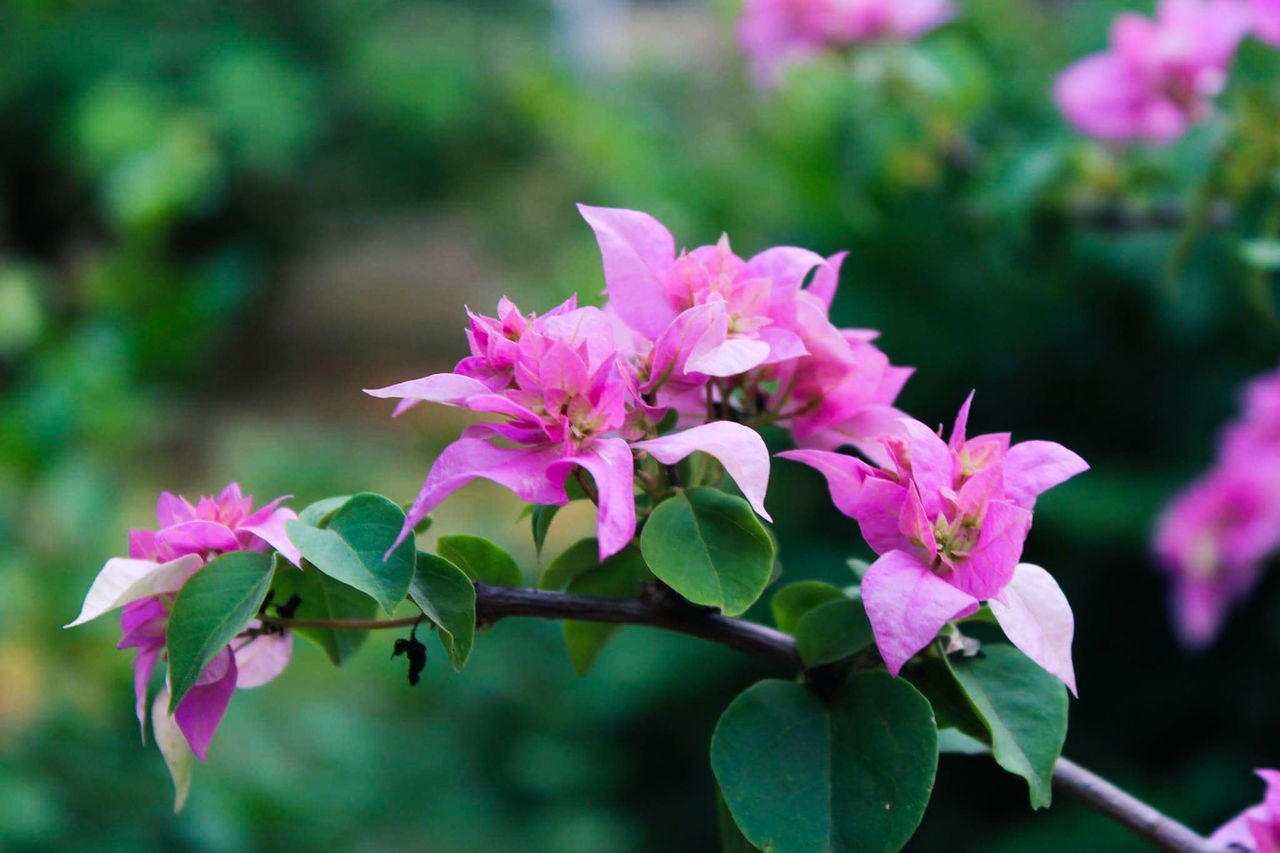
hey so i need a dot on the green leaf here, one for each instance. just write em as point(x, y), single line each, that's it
point(480, 559)
point(622, 575)
point(319, 513)
point(325, 598)
point(709, 547)
point(542, 518)
point(1024, 709)
point(218, 602)
point(351, 548)
point(833, 631)
point(581, 556)
point(951, 707)
point(448, 597)
point(956, 742)
point(852, 775)
point(796, 599)
point(1263, 254)
point(731, 838)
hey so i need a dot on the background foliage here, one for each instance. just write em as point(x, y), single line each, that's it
point(218, 221)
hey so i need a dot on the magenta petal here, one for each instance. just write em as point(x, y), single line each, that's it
point(827, 279)
point(845, 475)
point(879, 510)
point(1034, 467)
point(144, 663)
point(271, 530)
point(728, 358)
point(190, 537)
point(452, 389)
point(1037, 619)
point(990, 564)
point(637, 252)
point(785, 267)
point(523, 470)
point(784, 344)
point(202, 709)
point(739, 448)
point(932, 463)
point(908, 605)
point(262, 659)
point(612, 467)
point(171, 509)
point(914, 524)
point(962, 423)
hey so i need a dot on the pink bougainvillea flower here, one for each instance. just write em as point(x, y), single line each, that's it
point(774, 33)
point(1257, 828)
point(949, 520)
point(1158, 76)
point(729, 315)
point(570, 401)
point(146, 584)
point(1213, 539)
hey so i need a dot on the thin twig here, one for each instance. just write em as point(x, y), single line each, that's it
point(499, 602)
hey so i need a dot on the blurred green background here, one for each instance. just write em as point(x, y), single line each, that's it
point(220, 220)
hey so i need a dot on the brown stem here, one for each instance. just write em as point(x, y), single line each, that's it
point(498, 602)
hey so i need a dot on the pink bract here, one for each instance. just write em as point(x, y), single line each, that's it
point(1257, 828)
point(1158, 76)
point(949, 520)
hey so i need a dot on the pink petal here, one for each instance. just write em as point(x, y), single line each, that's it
point(908, 605)
point(915, 525)
point(637, 252)
point(962, 422)
point(739, 448)
point(190, 537)
point(612, 467)
point(784, 344)
point(932, 463)
point(827, 279)
point(729, 358)
point(844, 474)
point(523, 470)
point(786, 268)
point(700, 328)
point(262, 659)
point(452, 389)
point(990, 564)
point(171, 509)
point(879, 510)
point(144, 664)
point(1037, 619)
point(271, 531)
point(202, 709)
point(1033, 467)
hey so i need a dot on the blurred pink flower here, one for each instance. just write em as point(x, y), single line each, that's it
point(569, 400)
point(775, 32)
point(146, 584)
point(949, 521)
point(1214, 537)
point(1266, 20)
point(1158, 76)
point(1257, 828)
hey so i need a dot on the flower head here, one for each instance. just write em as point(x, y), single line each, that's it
point(1257, 828)
point(949, 520)
point(776, 32)
point(1158, 76)
point(147, 583)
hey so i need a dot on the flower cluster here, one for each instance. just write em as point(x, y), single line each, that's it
point(1257, 828)
point(1213, 538)
point(774, 33)
point(147, 583)
point(948, 520)
point(722, 341)
point(1159, 76)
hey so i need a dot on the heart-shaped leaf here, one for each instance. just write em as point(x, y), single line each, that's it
point(319, 513)
point(218, 602)
point(480, 559)
point(322, 597)
point(448, 598)
point(851, 775)
point(582, 556)
point(542, 518)
point(351, 548)
point(709, 547)
point(833, 631)
point(1024, 709)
